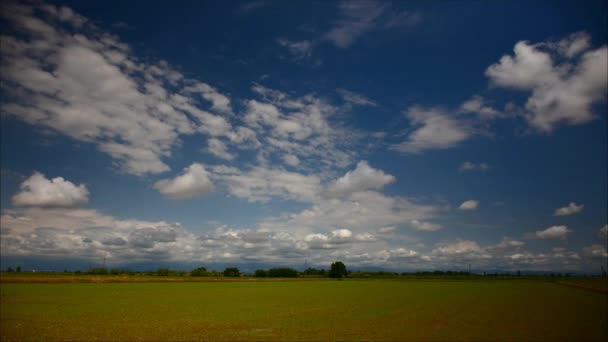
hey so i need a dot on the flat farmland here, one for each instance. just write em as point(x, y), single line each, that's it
point(303, 310)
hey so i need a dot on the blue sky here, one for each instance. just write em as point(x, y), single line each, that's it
point(400, 135)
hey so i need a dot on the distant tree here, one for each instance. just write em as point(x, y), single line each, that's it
point(282, 272)
point(337, 270)
point(313, 271)
point(199, 272)
point(231, 272)
point(98, 270)
point(162, 272)
point(18, 269)
point(260, 273)
point(10, 269)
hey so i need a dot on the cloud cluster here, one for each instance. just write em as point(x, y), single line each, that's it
point(303, 127)
point(91, 87)
point(571, 209)
point(565, 79)
point(40, 191)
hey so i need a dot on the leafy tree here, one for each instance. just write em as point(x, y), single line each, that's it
point(18, 269)
point(10, 269)
point(338, 270)
point(231, 272)
point(260, 273)
point(199, 272)
point(162, 272)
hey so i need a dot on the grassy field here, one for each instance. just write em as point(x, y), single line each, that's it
point(303, 310)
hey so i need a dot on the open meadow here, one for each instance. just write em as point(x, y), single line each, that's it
point(249, 309)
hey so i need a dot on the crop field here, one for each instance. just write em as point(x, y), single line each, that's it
point(303, 310)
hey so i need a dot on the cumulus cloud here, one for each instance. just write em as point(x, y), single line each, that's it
point(469, 205)
point(434, 129)
point(553, 233)
point(571, 209)
point(40, 191)
point(194, 181)
point(336, 238)
point(564, 78)
point(362, 178)
point(470, 166)
point(63, 72)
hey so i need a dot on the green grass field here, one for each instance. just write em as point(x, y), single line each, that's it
point(303, 310)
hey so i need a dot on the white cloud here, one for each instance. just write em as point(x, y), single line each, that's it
point(299, 126)
point(470, 166)
point(435, 130)
point(574, 44)
point(359, 17)
point(571, 209)
point(425, 226)
point(596, 251)
point(403, 18)
point(219, 101)
point(88, 234)
point(90, 86)
point(363, 177)
point(477, 105)
point(469, 205)
point(459, 247)
point(299, 49)
point(39, 191)
point(553, 233)
point(604, 231)
point(356, 18)
point(261, 184)
point(219, 149)
point(563, 85)
point(193, 182)
point(291, 159)
point(356, 99)
point(509, 243)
